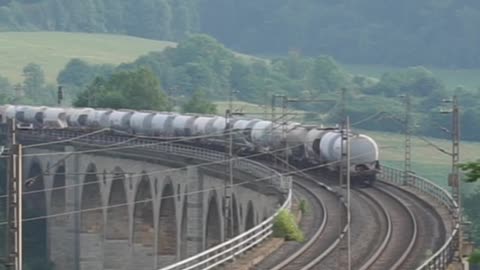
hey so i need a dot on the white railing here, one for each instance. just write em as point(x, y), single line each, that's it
point(230, 249)
point(444, 255)
point(227, 250)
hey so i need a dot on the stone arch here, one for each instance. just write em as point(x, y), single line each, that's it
point(143, 225)
point(167, 223)
point(213, 223)
point(91, 221)
point(35, 231)
point(57, 203)
point(91, 217)
point(57, 224)
point(117, 226)
point(235, 218)
point(250, 217)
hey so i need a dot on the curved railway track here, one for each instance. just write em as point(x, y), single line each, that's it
point(402, 226)
point(431, 234)
point(383, 233)
point(321, 228)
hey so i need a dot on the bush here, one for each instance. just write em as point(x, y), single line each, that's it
point(303, 206)
point(286, 227)
point(474, 258)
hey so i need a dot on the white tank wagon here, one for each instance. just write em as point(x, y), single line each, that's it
point(141, 123)
point(78, 117)
point(182, 125)
point(201, 125)
point(242, 130)
point(119, 120)
point(312, 144)
point(33, 115)
point(267, 135)
point(296, 135)
point(307, 145)
point(98, 118)
point(218, 125)
point(363, 154)
point(162, 125)
point(54, 118)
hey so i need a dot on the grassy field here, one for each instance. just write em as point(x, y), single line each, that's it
point(426, 160)
point(469, 78)
point(53, 50)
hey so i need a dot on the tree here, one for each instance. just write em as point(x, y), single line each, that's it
point(5, 90)
point(472, 170)
point(34, 79)
point(77, 73)
point(417, 81)
point(138, 90)
point(325, 75)
point(199, 104)
point(36, 91)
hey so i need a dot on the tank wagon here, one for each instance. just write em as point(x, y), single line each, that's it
point(305, 144)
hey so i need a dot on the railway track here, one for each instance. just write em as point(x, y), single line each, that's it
point(401, 234)
point(321, 229)
point(388, 230)
point(431, 234)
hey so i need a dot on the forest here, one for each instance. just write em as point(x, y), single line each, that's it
point(402, 33)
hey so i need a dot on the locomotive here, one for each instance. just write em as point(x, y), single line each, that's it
point(305, 144)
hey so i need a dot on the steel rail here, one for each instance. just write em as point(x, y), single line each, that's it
point(333, 245)
point(443, 256)
point(314, 237)
point(414, 233)
point(387, 237)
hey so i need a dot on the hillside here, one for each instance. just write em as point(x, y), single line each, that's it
point(52, 50)
point(401, 33)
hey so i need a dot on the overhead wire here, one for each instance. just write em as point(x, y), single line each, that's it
point(186, 193)
point(170, 170)
point(166, 170)
point(108, 148)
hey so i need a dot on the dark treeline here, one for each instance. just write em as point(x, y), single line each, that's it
point(156, 19)
point(405, 33)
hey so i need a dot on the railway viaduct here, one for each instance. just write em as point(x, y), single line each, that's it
point(132, 209)
point(147, 205)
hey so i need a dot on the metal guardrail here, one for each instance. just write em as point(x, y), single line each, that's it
point(441, 258)
point(231, 248)
point(227, 250)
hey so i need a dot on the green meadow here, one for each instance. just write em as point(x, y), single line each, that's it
point(52, 50)
point(469, 78)
point(426, 160)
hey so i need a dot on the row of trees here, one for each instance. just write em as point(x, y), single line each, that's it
point(409, 32)
point(201, 64)
point(156, 19)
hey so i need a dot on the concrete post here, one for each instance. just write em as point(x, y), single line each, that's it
point(71, 249)
point(194, 237)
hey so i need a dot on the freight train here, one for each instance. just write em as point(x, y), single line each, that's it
point(306, 144)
